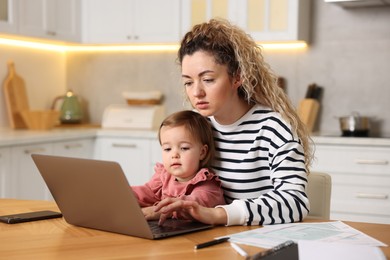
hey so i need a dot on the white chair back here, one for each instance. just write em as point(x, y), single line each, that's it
point(319, 192)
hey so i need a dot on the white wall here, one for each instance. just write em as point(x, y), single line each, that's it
point(349, 55)
point(44, 73)
point(100, 78)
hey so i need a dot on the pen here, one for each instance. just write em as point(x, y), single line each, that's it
point(212, 242)
point(239, 249)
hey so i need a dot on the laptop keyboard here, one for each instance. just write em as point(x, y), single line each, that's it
point(172, 225)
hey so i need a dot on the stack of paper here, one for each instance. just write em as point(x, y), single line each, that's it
point(326, 240)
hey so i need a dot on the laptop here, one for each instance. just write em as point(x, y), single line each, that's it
point(96, 194)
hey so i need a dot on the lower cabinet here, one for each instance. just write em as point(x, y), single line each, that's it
point(20, 178)
point(25, 181)
point(360, 181)
point(81, 148)
point(136, 156)
point(5, 172)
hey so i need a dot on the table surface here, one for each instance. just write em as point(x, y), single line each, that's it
point(56, 239)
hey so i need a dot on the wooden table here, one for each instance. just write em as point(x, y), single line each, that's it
point(55, 239)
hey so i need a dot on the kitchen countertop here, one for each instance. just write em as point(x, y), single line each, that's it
point(21, 137)
point(339, 140)
point(10, 137)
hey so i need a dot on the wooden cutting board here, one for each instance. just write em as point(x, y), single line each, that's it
point(15, 97)
point(308, 111)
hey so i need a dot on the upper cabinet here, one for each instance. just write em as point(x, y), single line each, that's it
point(198, 11)
point(264, 20)
point(275, 20)
point(131, 21)
point(51, 19)
point(150, 21)
point(8, 16)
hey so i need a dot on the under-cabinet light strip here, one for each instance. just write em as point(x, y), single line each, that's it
point(135, 48)
point(32, 45)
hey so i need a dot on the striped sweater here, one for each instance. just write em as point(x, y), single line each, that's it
point(261, 166)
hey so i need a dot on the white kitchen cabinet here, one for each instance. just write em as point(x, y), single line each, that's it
point(264, 20)
point(199, 11)
point(8, 16)
point(131, 21)
point(275, 20)
point(51, 19)
point(5, 172)
point(26, 181)
point(80, 148)
point(133, 154)
point(155, 155)
point(360, 180)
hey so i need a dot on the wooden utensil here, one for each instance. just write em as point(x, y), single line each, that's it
point(15, 97)
point(308, 111)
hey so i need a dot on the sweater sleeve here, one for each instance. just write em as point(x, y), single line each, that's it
point(207, 193)
point(286, 200)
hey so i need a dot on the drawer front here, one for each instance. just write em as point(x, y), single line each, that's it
point(359, 217)
point(132, 154)
point(357, 159)
point(361, 200)
point(361, 179)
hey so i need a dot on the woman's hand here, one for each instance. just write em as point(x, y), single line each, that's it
point(190, 210)
point(150, 213)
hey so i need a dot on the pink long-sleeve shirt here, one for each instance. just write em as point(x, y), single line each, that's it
point(205, 188)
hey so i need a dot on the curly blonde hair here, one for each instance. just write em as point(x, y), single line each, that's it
point(231, 46)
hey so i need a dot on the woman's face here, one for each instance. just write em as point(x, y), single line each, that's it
point(208, 85)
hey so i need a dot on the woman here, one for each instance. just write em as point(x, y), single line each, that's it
point(262, 148)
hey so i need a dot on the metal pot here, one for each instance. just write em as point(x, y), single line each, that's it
point(355, 125)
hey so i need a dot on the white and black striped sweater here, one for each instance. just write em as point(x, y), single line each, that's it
point(261, 166)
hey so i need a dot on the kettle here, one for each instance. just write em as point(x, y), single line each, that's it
point(70, 112)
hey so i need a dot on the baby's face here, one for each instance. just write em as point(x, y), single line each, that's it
point(181, 152)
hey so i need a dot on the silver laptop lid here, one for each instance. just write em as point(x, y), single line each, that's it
point(93, 194)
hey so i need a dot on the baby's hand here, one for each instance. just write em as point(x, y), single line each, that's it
point(150, 214)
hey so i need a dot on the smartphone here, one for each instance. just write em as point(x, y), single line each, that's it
point(29, 216)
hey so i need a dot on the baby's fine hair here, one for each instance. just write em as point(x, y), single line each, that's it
point(233, 47)
point(199, 128)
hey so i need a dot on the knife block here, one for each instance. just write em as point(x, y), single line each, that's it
point(308, 112)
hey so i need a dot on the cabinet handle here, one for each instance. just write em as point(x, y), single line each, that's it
point(71, 146)
point(371, 196)
point(36, 150)
point(129, 37)
point(373, 162)
point(125, 145)
point(51, 33)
